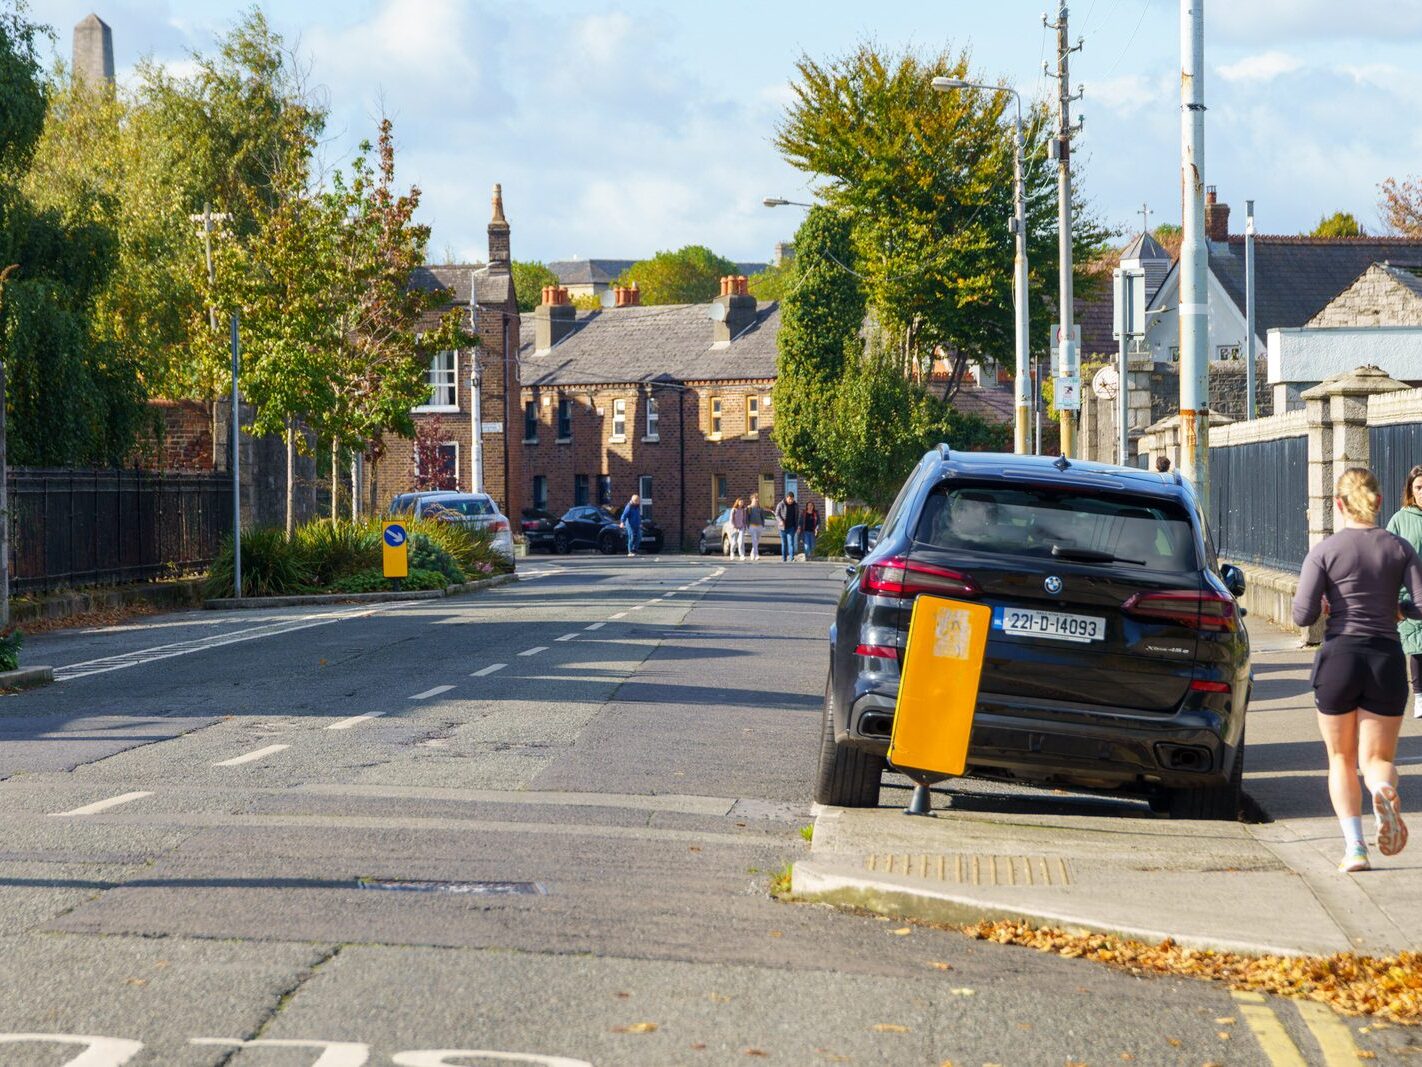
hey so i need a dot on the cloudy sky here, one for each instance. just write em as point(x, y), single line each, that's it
point(630, 126)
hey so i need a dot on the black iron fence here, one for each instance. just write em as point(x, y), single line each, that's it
point(1394, 450)
point(71, 527)
point(1259, 502)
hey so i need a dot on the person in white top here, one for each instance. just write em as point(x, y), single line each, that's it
point(737, 523)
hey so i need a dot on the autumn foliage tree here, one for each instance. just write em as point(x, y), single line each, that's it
point(1401, 206)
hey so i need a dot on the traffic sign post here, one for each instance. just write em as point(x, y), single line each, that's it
point(395, 551)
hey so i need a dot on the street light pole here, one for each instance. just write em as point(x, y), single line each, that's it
point(1022, 385)
point(1194, 307)
point(236, 471)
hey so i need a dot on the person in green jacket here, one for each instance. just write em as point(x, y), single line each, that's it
point(1407, 524)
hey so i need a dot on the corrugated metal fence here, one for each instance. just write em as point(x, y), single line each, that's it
point(73, 527)
point(1259, 500)
point(1394, 450)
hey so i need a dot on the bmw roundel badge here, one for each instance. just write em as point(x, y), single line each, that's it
point(1053, 585)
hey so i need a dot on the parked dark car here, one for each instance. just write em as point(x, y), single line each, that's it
point(590, 527)
point(537, 527)
point(714, 534)
point(1117, 659)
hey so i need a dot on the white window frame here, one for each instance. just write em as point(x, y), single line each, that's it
point(415, 452)
point(753, 412)
point(717, 418)
point(792, 485)
point(653, 420)
point(1228, 353)
point(451, 384)
point(619, 419)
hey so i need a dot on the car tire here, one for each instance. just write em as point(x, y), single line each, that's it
point(702, 548)
point(561, 545)
point(607, 544)
point(657, 546)
point(847, 777)
point(1217, 803)
point(725, 546)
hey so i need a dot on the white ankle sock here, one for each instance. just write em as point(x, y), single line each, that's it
point(1417, 706)
point(1352, 827)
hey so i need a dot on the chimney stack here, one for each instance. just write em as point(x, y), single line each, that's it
point(499, 234)
point(94, 51)
point(740, 309)
point(1216, 217)
point(627, 296)
point(553, 319)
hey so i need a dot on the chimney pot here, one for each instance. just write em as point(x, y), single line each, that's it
point(1216, 217)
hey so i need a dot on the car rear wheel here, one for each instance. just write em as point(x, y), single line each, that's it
point(607, 544)
point(702, 548)
point(847, 777)
point(561, 545)
point(725, 545)
point(1219, 803)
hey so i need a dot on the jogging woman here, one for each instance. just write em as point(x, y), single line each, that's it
point(1360, 674)
point(1407, 524)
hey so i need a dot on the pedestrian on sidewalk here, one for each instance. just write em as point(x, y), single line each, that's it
point(1360, 673)
point(755, 524)
point(1407, 524)
point(632, 523)
point(738, 530)
point(809, 528)
point(787, 517)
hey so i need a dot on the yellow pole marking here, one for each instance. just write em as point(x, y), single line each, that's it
point(1331, 1033)
point(1268, 1031)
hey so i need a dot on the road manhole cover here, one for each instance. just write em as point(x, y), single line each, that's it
point(973, 868)
point(485, 889)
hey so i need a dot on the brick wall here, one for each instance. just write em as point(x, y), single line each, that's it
point(681, 468)
point(184, 441)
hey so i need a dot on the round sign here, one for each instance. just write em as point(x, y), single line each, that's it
point(1104, 384)
point(394, 535)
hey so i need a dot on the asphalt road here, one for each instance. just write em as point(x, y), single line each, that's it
point(540, 820)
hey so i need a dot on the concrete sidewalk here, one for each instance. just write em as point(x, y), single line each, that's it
point(1093, 864)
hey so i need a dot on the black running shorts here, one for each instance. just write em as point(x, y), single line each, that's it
point(1360, 672)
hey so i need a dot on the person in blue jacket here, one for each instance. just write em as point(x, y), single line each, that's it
point(632, 523)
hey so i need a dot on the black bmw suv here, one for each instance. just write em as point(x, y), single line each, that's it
point(1117, 658)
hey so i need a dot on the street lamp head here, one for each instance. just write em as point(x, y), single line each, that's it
point(945, 85)
point(774, 201)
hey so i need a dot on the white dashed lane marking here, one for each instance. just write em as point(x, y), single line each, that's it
point(534, 650)
point(436, 691)
point(490, 669)
point(567, 637)
point(346, 724)
point(250, 757)
point(619, 615)
point(595, 626)
point(104, 805)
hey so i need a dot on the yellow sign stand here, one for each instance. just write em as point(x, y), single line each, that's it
point(938, 688)
point(395, 549)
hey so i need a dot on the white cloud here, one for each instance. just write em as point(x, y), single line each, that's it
point(1263, 67)
point(1258, 21)
point(1128, 94)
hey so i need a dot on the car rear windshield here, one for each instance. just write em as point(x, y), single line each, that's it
point(1064, 524)
point(473, 505)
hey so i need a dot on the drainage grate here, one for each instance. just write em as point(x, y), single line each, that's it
point(974, 869)
point(486, 889)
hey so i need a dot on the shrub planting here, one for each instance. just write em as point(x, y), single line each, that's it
point(831, 539)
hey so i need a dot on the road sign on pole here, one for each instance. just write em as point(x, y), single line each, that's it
point(395, 549)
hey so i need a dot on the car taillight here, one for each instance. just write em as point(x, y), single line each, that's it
point(1204, 685)
point(881, 651)
point(905, 578)
point(499, 525)
point(1199, 611)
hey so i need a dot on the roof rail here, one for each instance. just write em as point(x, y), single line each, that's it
point(943, 450)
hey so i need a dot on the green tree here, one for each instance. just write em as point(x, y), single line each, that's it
point(690, 275)
point(529, 278)
point(1339, 224)
point(926, 178)
point(772, 283)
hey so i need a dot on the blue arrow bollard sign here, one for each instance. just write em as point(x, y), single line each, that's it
point(395, 552)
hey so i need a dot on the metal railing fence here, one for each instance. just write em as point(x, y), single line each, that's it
point(1259, 502)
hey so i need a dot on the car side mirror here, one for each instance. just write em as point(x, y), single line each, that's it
point(874, 535)
point(856, 542)
point(1233, 580)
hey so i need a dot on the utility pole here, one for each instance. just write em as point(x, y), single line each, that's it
point(207, 217)
point(1194, 309)
point(1250, 385)
point(4, 477)
point(236, 469)
point(1070, 358)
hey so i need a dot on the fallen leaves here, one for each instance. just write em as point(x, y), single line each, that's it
point(889, 1028)
point(963, 991)
point(635, 1028)
point(939, 965)
point(1389, 986)
point(902, 931)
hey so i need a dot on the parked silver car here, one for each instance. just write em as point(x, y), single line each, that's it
point(467, 509)
point(715, 534)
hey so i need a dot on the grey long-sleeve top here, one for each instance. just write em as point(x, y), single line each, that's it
point(1359, 573)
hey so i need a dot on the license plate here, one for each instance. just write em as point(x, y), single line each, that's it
point(1053, 625)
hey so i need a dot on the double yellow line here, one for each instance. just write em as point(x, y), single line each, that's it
point(1334, 1038)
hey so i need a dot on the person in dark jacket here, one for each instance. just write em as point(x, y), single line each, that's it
point(809, 528)
point(1360, 673)
point(1407, 524)
point(787, 517)
point(632, 523)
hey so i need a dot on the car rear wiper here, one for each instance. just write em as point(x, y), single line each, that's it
point(1090, 555)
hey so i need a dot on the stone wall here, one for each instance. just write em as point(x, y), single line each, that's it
point(1375, 299)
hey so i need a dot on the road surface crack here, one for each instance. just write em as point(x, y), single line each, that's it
point(284, 998)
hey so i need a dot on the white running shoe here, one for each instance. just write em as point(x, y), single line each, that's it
point(1355, 859)
point(1392, 831)
point(1417, 706)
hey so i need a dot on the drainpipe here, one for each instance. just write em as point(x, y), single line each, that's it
point(1249, 384)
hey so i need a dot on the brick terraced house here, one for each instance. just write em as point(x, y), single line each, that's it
point(487, 292)
point(670, 401)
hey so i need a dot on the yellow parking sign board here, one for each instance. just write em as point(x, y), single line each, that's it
point(938, 687)
point(395, 549)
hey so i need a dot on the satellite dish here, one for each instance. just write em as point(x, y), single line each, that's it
point(1106, 383)
point(609, 298)
point(717, 311)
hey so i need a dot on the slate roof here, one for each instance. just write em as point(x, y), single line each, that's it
point(465, 281)
point(1408, 277)
point(668, 342)
point(1145, 248)
point(607, 271)
point(1296, 277)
